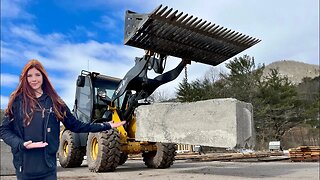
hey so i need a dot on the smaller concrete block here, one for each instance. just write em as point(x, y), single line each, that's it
point(217, 123)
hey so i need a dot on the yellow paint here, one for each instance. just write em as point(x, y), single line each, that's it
point(132, 128)
point(94, 148)
point(62, 130)
point(137, 147)
point(116, 119)
point(65, 148)
point(128, 145)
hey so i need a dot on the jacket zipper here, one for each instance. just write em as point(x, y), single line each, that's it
point(46, 125)
point(46, 131)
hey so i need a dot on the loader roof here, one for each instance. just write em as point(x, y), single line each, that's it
point(169, 32)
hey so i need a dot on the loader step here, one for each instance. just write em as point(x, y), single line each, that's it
point(168, 32)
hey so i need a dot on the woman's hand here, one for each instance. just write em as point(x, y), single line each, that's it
point(114, 125)
point(32, 145)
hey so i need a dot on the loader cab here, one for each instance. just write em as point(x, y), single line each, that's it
point(93, 93)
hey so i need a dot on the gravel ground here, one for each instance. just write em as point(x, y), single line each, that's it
point(187, 169)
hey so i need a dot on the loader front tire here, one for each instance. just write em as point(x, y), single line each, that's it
point(123, 158)
point(162, 158)
point(103, 151)
point(69, 154)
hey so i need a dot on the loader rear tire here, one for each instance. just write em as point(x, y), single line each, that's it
point(69, 154)
point(103, 151)
point(162, 158)
point(123, 158)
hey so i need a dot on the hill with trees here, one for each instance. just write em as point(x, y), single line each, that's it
point(294, 70)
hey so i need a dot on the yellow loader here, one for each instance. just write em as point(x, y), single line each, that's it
point(101, 98)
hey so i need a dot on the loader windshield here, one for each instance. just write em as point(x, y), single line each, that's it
point(105, 89)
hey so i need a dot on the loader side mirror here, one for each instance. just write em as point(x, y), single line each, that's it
point(80, 81)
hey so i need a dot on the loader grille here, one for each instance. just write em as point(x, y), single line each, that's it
point(169, 32)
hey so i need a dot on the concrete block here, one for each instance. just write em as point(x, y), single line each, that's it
point(6, 165)
point(226, 123)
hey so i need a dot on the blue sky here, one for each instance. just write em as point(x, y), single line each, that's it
point(68, 36)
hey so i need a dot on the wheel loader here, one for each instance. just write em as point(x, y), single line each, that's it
point(101, 98)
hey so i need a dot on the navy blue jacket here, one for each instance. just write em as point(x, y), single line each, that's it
point(12, 132)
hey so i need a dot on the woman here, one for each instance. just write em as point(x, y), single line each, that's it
point(32, 124)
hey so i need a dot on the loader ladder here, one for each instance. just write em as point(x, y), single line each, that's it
point(171, 33)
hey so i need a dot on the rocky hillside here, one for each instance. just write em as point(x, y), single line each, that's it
point(294, 70)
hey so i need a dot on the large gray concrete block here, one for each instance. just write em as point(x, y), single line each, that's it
point(6, 165)
point(217, 123)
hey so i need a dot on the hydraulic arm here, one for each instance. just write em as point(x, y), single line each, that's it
point(136, 79)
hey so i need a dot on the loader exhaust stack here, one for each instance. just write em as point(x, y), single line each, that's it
point(169, 32)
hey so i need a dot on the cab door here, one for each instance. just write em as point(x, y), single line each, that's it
point(84, 100)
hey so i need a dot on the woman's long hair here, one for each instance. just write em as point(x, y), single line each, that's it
point(29, 99)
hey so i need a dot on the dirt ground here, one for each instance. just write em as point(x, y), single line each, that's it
point(189, 169)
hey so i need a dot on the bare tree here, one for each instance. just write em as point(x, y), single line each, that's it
point(160, 96)
point(214, 74)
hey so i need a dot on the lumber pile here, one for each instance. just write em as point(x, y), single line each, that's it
point(305, 153)
point(251, 156)
point(222, 156)
point(276, 153)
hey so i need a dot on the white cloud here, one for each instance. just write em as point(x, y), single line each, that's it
point(65, 86)
point(14, 9)
point(103, 57)
point(81, 30)
point(102, 4)
point(9, 55)
point(4, 101)
point(9, 80)
point(108, 22)
point(29, 34)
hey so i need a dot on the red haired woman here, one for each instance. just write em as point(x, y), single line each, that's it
point(32, 124)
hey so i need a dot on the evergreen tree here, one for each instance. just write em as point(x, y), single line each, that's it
point(184, 92)
point(309, 94)
point(241, 83)
point(278, 108)
point(243, 79)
